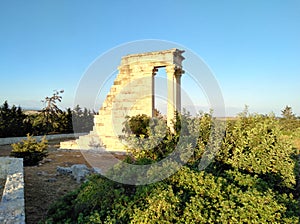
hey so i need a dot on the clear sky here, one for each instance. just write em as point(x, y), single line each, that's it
point(252, 47)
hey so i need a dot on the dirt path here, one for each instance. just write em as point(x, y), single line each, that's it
point(43, 185)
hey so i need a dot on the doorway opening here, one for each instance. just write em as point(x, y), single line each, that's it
point(160, 92)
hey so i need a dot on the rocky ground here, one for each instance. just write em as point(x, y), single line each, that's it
point(43, 185)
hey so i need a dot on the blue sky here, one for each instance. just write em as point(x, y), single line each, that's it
point(252, 47)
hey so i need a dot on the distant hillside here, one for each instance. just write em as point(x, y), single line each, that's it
point(30, 112)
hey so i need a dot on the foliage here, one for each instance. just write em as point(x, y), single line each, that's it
point(49, 118)
point(290, 126)
point(78, 120)
point(12, 121)
point(155, 141)
point(137, 125)
point(151, 140)
point(287, 113)
point(30, 150)
point(82, 119)
point(255, 145)
point(289, 122)
point(252, 179)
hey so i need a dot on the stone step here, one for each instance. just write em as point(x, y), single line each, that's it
point(89, 142)
point(133, 99)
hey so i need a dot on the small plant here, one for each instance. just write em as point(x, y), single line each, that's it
point(30, 150)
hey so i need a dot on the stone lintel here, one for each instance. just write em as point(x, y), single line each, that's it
point(171, 56)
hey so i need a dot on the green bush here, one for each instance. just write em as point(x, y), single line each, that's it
point(30, 150)
point(255, 144)
point(251, 180)
point(137, 125)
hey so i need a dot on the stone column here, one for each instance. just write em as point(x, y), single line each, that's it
point(178, 90)
point(170, 70)
point(154, 71)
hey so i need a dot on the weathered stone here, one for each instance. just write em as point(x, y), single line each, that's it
point(79, 172)
point(131, 94)
point(96, 170)
point(12, 206)
point(63, 170)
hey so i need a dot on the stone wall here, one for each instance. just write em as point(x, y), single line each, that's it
point(8, 141)
point(12, 206)
point(131, 94)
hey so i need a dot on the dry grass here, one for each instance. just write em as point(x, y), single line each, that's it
point(31, 112)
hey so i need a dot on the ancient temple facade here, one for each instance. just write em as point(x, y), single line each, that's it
point(132, 93)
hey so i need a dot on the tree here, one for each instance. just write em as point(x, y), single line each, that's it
point(12, 121)
point(30, 150)
point(4, 119)
point(289, 121)
point(51, 112)
point(287, 113)
point(82, 119)
point(67, 121)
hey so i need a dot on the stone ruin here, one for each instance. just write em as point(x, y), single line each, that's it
point(12, 204)
point(131, 94)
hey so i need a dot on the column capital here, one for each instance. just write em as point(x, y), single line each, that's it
point(154, 71)
point(179, 72)
point(171, 69)
point(176, 70)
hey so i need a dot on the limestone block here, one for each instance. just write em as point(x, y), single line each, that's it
point(79, 172)
point(132, 94)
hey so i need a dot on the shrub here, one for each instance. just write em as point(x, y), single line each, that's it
point(255, 144)
point(30, 150)
point(137, 125)
point(252, 180)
